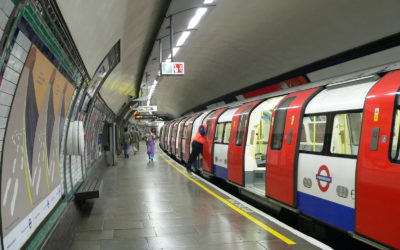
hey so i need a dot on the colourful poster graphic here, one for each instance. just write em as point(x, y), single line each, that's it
point(31, 174)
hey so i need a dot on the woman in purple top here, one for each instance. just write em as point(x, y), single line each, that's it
point(150, 146)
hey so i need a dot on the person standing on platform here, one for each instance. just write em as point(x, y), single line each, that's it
point(127, 139)
point(135, 140)
point(150, 146)
point(197, 147)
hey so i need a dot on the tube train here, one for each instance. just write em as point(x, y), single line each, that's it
point(329, 150)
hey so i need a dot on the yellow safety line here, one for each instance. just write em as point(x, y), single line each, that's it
point(240, 211)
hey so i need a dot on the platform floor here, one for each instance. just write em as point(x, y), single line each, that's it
point(151, 205)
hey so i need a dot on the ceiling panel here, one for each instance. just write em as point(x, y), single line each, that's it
point(239, 43)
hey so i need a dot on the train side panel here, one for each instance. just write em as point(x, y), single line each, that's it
point(237, 143)
point(378, 171)
point(281, 158)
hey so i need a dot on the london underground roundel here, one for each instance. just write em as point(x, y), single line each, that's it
point(324, 178)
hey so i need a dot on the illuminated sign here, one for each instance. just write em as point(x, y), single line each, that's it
point(147, 108)
point(173, 68)
point(144, 117)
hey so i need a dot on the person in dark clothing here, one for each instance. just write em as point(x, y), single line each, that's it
point(197, 147)
point(126, 139)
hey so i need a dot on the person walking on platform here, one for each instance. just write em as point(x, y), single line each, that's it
point(135, 140)
point(197, 147)
point(150, 146)
point(126, 138)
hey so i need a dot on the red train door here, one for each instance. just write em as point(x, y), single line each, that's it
point(208, 145)
point(378, 168)
point(237, 142)
point(282, 152)
point(188, 139)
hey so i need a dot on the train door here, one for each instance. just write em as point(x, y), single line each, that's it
point(221, 143)
point(255, 151)
point(187, 136)
point(201, 119)
point(178, 153)
point(167, 143)
point(378, 168)
point(173, 137)
point(211, 123)
point(281, 162)
point(238, 141)
point(328, 150)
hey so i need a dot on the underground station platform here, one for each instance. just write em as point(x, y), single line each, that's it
point(158, 205)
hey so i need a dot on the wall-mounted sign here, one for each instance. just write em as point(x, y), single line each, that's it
point(173, 68)
point(143, 117)
point(147, 108)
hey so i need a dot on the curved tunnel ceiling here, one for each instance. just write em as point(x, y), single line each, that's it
point(240, 43)
point(237, 43)
point(96, 25)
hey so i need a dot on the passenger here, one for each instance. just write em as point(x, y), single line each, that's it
point(135, 140)
point(126, 138)
point(197, 147)
point(150, 146)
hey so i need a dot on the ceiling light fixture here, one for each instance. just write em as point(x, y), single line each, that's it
point(183, 38)
point(196, 18)
point(175, 51)
point(208, 1)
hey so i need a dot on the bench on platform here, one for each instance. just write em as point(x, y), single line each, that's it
point(90, 189)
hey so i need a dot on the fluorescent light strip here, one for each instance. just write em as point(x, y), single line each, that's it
point(196, 18)
point(175, 51)
point(208, 1)
point(183, 38)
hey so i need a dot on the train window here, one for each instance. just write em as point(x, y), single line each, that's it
point(346, 133)
point(219, 132)
point(394, 152)
point(313, 133)
point(241, 127)
point(227, 132)
point(242, 124)
point(184, 133)
point(279, 124)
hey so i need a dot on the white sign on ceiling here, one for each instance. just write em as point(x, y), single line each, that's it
point(172, 68)
point(147, 108)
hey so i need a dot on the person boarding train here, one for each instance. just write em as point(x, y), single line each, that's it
point(197, 147)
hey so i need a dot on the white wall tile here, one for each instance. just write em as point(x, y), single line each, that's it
point(7, 87)
point(11, 75)
point(23, 41)
point(3, 20)
point(4, 111)
point(8, 7)
point(19, 52)
point(2, 132)
point(15, 64)
point(5, 99)
point(3, 122)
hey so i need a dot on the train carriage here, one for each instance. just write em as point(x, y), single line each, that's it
point(329, 150)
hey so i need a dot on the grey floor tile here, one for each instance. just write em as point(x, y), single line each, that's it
point(178, 230)
point(134, 233)
point(122, 224)
point(94, 235)
point(172, 241)
point(122, 244)
point(86, 245)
